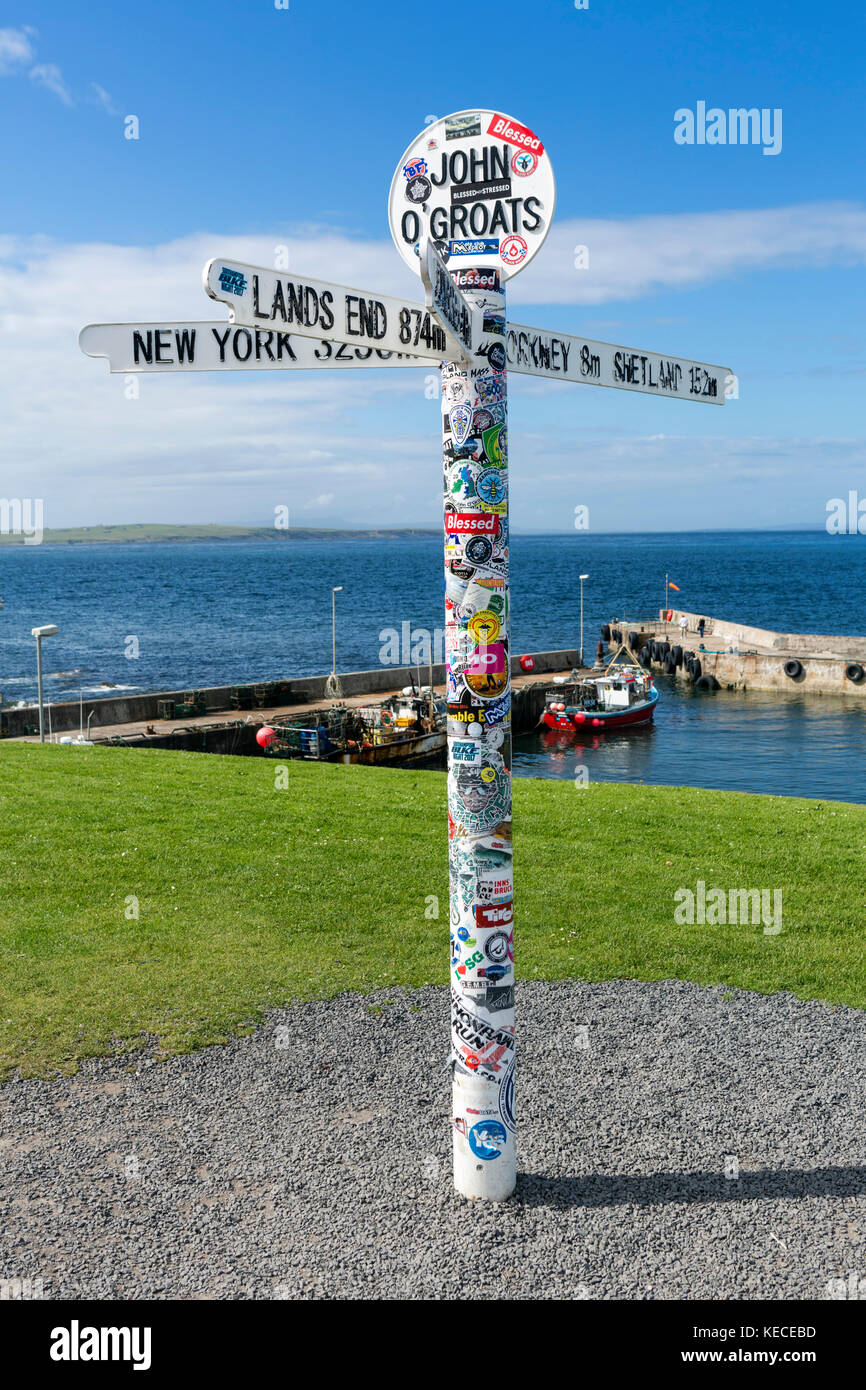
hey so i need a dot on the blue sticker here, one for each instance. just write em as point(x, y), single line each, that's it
point(232, 281)
point(496, 711)
point(490, 487)
point(417, 169)
point(487, 1139)
point(463, 934)
point(465, 752)
point(495, 972)
point(484, 246)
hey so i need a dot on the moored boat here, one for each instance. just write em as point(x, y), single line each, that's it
point(405, 729)
point(619, 699)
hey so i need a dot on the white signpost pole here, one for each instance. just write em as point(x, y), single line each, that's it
point(474, 461)
point(471, 202)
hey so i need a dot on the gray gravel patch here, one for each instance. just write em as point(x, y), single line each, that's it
point(313, 1158)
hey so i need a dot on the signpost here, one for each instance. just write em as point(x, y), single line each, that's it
point(470, 204)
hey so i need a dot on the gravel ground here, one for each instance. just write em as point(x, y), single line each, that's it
point(312, 1159)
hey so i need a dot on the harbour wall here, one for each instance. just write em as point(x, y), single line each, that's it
point(127, 709)
point(238, 736)
point(741, 657)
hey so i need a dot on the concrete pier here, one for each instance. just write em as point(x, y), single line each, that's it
point(129, 718)
point(741, 657)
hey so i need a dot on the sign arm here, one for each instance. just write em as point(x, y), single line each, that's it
point(565, 357)
point(261, 298)
point(218, 345)
point(457, 314)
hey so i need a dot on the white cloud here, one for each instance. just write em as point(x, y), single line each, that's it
point(103, 98)
point(16, 50)
point(48, 75)
point(641, 255)
point(678, 481)
point(633, 258)
point(17, 53)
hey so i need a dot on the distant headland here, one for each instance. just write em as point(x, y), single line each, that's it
point(141, 532)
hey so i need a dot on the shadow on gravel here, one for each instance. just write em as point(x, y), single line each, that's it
point(654, 1189)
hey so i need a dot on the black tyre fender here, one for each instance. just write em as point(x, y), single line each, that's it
point(854, 672)
point(793, 668)
point(697, 671)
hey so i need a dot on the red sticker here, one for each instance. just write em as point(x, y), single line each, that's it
point(514, 134)
point(472, 523)
point(524, 163)
point(513, 250)
point(498, 915)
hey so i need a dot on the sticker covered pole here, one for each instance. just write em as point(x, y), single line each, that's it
point(471, 203)
point(478, 694)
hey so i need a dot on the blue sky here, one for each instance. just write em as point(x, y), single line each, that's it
point(262, 126)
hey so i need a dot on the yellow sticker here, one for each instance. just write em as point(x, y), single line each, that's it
point(485, 626)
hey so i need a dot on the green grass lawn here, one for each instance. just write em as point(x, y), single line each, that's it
point(249, 896)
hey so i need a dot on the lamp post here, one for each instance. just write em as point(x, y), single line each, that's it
point(338, 588)
point(581, 578)
point(49, 630)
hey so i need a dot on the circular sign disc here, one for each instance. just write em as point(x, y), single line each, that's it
point(479, 184)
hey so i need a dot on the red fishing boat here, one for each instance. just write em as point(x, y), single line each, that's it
point(619, 699)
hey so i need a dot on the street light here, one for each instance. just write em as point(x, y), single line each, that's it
point(50, 630)
point(338, 588)
point(582, 577)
